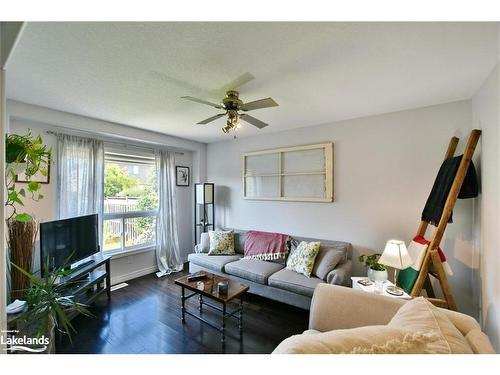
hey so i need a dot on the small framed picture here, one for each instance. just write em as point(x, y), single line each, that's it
point(37, 177)
point(182, 176)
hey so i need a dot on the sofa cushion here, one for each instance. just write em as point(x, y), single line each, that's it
point(213, 262)
point(302, 259)
point(419, 314)
point(204, 245)
point(239, 241)
point(361, 340)
point(252, 269)
point(338, 245)
point(221, 242)
point(327, 259)
point(294, 282)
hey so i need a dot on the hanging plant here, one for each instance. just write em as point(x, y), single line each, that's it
point(28, 154)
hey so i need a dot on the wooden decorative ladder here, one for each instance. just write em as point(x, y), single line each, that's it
point(431, 264)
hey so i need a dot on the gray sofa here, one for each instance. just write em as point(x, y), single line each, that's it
point(271, 279)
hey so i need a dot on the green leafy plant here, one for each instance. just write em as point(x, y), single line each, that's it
point(117, 182)
point(148, 201)
point(48, 305)
point(30, 152)
point(370, 261)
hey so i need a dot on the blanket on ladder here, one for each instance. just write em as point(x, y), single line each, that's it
point(417, 249)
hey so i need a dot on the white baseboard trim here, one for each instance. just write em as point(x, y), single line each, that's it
point(133, 275)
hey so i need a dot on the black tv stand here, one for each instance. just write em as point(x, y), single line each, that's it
point(86, 282)
point(81, 265)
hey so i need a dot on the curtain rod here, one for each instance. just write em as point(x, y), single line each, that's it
point(52, 132)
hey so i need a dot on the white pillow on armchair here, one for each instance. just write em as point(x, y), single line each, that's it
point(204, 245)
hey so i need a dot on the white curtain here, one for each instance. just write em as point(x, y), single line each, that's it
point(80, 167)
point(167, 242)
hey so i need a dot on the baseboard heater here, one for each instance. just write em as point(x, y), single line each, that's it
point(118, 286)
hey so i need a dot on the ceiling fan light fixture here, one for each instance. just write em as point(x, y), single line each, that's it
point(232, 104)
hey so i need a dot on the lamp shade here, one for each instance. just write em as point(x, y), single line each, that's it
point(204, 193)
point(396, 255)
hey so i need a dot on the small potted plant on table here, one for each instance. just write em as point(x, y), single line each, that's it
point(376, 271)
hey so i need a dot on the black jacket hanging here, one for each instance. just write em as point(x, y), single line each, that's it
point(437, 198)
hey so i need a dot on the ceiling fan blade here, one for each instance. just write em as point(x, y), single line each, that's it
point(218, 106)
point(240, 81)
point(184, 85)
point(210, 119)
point(253, 121)
point(257, 104)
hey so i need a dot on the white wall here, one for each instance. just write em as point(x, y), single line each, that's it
point(384, 169)
point(191, 154)
point(485, 109)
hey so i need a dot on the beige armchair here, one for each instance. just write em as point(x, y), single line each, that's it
point(335, 307)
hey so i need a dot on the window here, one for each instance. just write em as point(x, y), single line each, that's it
point(130, 199)
point(300, 173)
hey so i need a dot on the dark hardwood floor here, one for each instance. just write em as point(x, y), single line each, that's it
point(145, 318)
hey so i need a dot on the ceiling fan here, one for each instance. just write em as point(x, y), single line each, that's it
point(232, 105)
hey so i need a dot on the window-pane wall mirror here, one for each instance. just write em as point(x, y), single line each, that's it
point(299, 173)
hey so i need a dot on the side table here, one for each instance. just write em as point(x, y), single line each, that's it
point(371, 288)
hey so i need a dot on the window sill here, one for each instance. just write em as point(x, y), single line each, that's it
point(117, 254)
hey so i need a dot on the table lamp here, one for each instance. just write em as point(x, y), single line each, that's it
point(395, 255)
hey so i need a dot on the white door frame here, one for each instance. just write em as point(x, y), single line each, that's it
point(9, 36)
point(3, 247)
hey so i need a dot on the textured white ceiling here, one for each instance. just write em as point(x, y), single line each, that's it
point(135, 73)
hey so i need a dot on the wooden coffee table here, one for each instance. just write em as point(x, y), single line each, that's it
point(209, 290)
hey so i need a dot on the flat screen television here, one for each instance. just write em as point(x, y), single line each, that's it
point(77, 237)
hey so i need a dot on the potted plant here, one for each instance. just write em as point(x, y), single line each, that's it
point(28, 154)
point(48, 306)
point(376, 271)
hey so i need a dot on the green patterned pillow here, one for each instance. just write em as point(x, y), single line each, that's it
point(301, 260)
point(221, 242)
